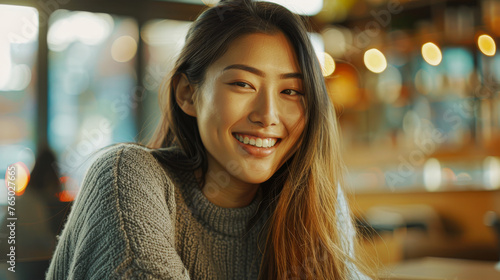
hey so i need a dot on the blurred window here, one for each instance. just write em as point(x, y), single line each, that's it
point(93, 93)
point(18, 56)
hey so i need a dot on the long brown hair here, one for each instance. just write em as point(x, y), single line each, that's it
point(304, 236)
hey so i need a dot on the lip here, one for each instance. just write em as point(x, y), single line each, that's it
point(256, 151)
point(257, 134)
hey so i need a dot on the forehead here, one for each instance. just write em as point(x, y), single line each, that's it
point(271, 53)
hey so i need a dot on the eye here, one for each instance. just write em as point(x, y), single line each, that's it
point(291, 92)
point(241, 84)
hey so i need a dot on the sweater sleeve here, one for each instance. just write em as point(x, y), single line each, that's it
point(122, 224)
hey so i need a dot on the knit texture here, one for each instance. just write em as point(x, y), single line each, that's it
point(136, 219)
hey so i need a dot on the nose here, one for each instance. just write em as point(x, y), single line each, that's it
point(265, 110)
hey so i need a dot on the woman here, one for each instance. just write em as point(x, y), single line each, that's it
point(243, 177)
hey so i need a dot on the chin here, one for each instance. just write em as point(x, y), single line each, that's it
point(255, 179)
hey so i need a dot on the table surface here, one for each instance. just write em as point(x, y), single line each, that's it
point(442, 269)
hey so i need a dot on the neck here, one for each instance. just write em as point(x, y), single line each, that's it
point(225, 190)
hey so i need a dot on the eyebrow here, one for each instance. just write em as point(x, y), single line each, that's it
point(262, 74)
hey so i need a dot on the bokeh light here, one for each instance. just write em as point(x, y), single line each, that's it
point(491, 174)
point(65, 196)
point(318, 46)
point(17, 176)
point(328, 65)
point(123, 49)
point(431, 54)
point(20, 77)
point(432, 174)
point(343, 87)
point(210, 3)
point(375, 61)
point(337, 40)
point(306, 8)
point(486, 45)
point(88, 28)
point(70, 187)
point(19, 24)
point(18, 29)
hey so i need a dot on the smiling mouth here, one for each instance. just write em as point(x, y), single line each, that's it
point(257, 141)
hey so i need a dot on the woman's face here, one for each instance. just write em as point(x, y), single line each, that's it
point(251, 97)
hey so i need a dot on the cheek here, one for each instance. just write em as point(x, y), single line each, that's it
point(293, 117)
point(219, 111)
point(229, 108)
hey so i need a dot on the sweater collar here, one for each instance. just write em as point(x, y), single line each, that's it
point(228, 221)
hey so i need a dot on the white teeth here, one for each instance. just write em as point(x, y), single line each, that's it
point(259, 142)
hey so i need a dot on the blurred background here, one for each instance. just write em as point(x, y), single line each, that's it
point(415, 83)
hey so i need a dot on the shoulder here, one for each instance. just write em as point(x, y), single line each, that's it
point(128, 161)
point(123, 219)
point(126, 180)
point(126, 168)
point(130, 154)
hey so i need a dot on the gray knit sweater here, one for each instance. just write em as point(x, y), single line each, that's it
point(135, 219)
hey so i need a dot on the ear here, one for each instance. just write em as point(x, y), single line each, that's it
point(184, 92)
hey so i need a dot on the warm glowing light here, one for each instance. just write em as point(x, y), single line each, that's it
point(17, 177)
point(66, 196)
point(432, 174)
point(301, 7)
point(70, 185)
point(210, 3)
point(432, 54)
point(375, 61)
point(328, 65)
point(123, 49)
point(88, 28)
point(491, 173)
point(343, 86)
point(487, 45)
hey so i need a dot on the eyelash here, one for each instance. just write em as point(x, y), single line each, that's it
point(243, 83)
